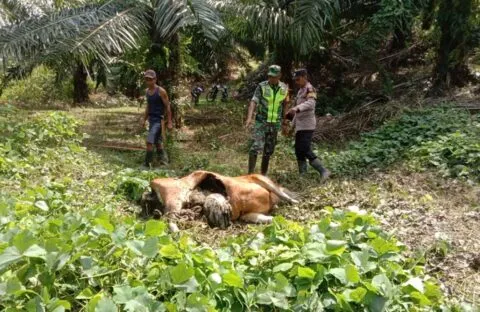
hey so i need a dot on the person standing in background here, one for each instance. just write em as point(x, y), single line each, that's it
point(270, 102)
point(303, 114)
point(157, 104)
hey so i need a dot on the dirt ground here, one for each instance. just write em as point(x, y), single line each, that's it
point(438, 219)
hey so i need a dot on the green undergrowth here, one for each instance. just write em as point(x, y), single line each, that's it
point(68, 243)
point(39, 89)
point(443, 137)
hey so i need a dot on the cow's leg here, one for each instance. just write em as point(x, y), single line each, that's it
point(254, 217)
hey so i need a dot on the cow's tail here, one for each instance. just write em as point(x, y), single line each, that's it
point(277, 190)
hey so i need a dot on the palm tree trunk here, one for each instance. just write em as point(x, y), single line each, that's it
point(80, 87)
point(174, 70)
point(450, 68)
point(284, 59)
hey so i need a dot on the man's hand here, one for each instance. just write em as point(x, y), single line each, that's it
point(291, 112)
point(169, 125)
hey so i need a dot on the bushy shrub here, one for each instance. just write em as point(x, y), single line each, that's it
point(29, 139)
point(394, 140)
point(38, 89)
point(132, 183)
point(456, 154)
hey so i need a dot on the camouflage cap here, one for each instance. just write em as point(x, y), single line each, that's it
point(274, 71)
point(150, 73)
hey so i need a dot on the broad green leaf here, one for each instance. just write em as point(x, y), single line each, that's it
point(232, 279)
point(106, 305)
point(282, 267)
point(59, 305)
point(383, 285)
point(9, 256)
point(432, 291)
point(150, 249)
point(416, 283)
point(13, 285)
point(336, 247)
point(306, 272)
point(420, 298)
point(273, 298)
point(360, 258)
point(189, 286)
point(92, 303)
point(136, 246)
point(170, 251)
point(34, 305)
point(382, 246)
point(154, 228)
point(340, 274)
point(197, 302)
point(135, 306)
point(355, 295)
point(376, 303)
point(122, 294)
point(42, 205)
point(181, 273)
point(352, 274)
point(35, 251)
point(87, 293)
point(105, 224)
point(23, 240)
point(315, 252)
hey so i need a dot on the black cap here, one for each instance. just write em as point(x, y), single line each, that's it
point(301, 72)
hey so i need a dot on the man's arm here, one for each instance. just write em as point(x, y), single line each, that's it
point(251, 109)
point(252, 106)
point(309, 104)
point(145, 115)
point(166, 102)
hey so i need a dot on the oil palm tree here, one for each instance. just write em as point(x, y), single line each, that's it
point(289, 29)
point(100, 29)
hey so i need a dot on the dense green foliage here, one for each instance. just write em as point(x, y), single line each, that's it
point(455, 154)
point(443, 137)
point(37, 89)
point(364, 36)
point(66, 244)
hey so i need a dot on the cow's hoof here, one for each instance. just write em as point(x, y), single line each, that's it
point(218, 211)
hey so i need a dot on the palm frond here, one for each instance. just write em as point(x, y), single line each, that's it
point(270, 24)
point(98, 29)
point(12, 11)
point(172, 15)
point(312, 17)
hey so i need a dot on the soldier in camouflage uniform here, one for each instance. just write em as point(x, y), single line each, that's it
point(269, 101)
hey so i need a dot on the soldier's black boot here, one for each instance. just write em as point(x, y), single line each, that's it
point(265, 161)
point(302, 166)
point(319, 167)
point(252, 162)
point(148, 159)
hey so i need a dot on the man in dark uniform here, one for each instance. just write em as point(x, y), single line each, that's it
point(303, 114)
point(157, 104)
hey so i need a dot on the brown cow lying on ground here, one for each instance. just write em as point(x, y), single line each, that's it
point(222, 199)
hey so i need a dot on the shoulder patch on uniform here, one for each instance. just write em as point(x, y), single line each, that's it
point(263, 83)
